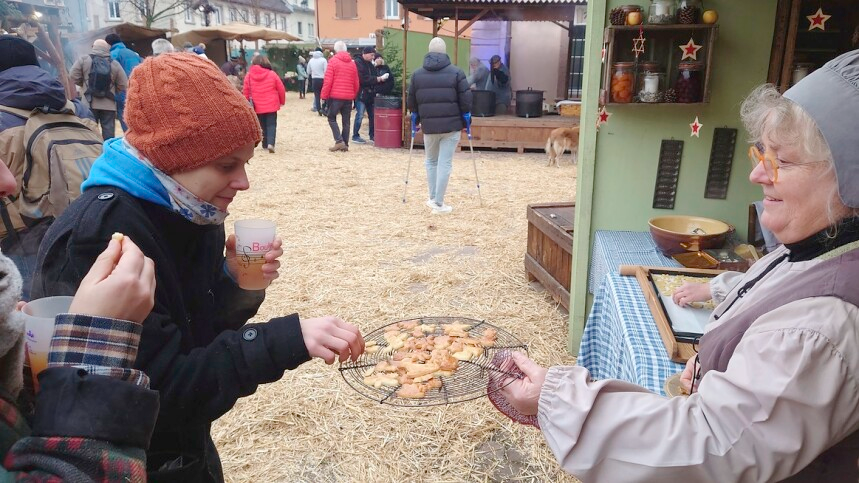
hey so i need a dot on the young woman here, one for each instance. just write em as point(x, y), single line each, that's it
point(168, 186)
point(266, 92)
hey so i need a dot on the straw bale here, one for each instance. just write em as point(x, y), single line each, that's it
point(355, 250)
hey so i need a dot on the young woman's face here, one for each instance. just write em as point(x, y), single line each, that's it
point(219, 181)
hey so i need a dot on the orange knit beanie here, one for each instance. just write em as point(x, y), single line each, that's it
point(182, 113)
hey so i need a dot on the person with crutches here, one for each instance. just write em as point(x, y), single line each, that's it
point(438, 98)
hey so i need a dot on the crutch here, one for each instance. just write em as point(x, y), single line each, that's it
point(467, 118)
point(411, 148)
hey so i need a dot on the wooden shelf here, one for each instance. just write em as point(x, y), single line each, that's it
point(670, 26)
point(656, 103)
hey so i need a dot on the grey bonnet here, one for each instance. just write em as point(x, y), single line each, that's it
point(830, 95)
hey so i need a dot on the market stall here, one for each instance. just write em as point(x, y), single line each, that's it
point(518, 131)
point(216, 37)
point(135, 37)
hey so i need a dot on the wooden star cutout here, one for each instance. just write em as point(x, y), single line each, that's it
point(690, 50)
point(696, 128)
point(818, 20)
point(638, 43)
point(602, 117)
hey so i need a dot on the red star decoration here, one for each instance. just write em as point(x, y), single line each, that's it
point(690, 50)
point(696, 128)
point(818, 20)
point(602, 117)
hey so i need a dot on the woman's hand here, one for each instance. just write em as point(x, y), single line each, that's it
point(329, 338)
point(687, 377)
point(119, 285)
point(692, 292)
point(524, 394)
point(271, 267)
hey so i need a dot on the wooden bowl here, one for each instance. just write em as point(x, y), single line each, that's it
point(679, 233)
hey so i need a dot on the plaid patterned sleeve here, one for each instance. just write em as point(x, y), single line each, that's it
point(99, 345)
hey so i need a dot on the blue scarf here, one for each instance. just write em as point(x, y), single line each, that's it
point(122, 166)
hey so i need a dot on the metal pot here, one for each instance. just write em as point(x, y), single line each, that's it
point(483, 103)
point(529, 103)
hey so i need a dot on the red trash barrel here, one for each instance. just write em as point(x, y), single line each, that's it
point(388, 127)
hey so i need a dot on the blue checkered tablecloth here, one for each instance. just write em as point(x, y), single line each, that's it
point(621, 340)
point(615, 248)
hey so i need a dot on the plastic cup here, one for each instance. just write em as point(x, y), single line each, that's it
point(39, 329)
point(254, 238)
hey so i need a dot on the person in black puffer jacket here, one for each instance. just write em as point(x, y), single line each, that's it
point(440, 97)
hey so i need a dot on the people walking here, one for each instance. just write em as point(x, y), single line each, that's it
point(301, 76)
point(101, 78)
point(316, 72)
point(366, 99)
point(439, 95)
point(128, 60)
point(266, 93)
point(339, 89)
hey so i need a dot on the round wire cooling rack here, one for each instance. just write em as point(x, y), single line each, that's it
point(471, 380)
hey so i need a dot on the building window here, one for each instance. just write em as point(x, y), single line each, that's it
point(310, 29)
point(267, 20)
point(299, 29)
point(234, 15)
point(189, 15)
point(392, 9)
point(283, 23)
point(347, 8)
point(217, 14)
point(113, 10)
point(245, 17)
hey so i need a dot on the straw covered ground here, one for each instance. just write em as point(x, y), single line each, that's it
point(354, 250)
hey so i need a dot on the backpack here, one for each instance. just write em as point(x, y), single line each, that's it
point(59, 150)
point(100, 79)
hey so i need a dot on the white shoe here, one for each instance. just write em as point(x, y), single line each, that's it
point(441, 210)
point(431, 204)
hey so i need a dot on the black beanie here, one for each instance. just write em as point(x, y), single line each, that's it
point(112, 39)
point(15, 52)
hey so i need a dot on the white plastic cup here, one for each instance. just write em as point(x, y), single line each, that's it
point(39, 324)
point(254, 238)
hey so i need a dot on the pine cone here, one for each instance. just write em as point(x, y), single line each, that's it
point(670, 95)
point(687, 15)
point(617, 16)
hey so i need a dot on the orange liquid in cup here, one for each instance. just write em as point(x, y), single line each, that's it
point(250, 272)
point(38, 363)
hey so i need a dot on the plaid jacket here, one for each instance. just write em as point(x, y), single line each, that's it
point(94, 414)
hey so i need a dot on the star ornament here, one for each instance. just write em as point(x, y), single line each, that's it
point(638, 43)
point(818, 20)
point(696, 128)
point(602, 117)
point(690, 50)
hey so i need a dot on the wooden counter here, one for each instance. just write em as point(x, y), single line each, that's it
point(548, 258)
point(510, 131)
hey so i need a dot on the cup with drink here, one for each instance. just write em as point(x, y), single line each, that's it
point(39, 330)
point(254, 238)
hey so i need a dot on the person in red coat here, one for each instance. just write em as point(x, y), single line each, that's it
point(265, 91)
point(340, 88)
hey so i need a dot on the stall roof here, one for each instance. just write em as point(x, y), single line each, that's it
point(135, 37)
point(537, 10)
point(231, 31)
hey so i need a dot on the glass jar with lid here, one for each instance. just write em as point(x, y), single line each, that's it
point(689, 11)
point(661, 12)
point(800, 70)
point(622, 82)
point(689, 83)
point(652, 87)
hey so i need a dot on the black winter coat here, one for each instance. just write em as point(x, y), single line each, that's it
point(367, 78)
point(195, 347)
point(439, 93)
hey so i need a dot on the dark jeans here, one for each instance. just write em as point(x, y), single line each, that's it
point(361, 108)
point(302, 86)
point(317, 90)
point(344, 108)
point(107, 120)
point(120, 109)
point(268, 122)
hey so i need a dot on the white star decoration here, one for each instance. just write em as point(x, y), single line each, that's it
point(690, 50)
point(638, 43)
point(696, 128)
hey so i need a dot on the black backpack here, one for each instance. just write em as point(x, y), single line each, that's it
point(100, 78)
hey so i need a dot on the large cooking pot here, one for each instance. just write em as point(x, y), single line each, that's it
point(482, 103)
point(529, 103)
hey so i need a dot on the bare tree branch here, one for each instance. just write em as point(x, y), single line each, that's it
point(153, 10)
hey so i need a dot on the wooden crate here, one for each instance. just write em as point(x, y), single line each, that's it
point(510, 132)
point(549, 256)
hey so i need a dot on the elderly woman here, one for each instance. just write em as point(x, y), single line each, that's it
point(168, 185)
point(778, 368)
point(479, 74)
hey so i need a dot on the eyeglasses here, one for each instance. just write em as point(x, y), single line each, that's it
point(769, 162)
